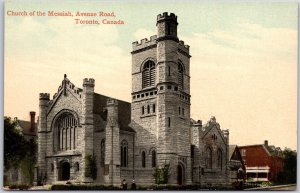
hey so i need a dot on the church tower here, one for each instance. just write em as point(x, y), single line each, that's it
point(161, 97)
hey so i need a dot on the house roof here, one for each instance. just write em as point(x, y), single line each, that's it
point(270, 149)
point(26, 127)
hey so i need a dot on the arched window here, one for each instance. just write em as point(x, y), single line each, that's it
point(66, 132)
point(208, 153)
point(143, 159)
point(124, 153)
point(102, 162)
point(148, 78)
point(219, 154)
point(180, 76)
point(153, 158)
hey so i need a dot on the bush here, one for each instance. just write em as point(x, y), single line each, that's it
point(83, 187)
point(20, 187)
point(91, 167)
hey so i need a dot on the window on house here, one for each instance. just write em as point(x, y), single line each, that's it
point(169, 121)
point(153, 108)
point(143, 159)
point(180, 76)
point(161, 88)
point(148, 75)
point(169, 87)
point(153, 158)
point(124, 153)
point(169, 70)
point(183, 111)
point(243, 152)
point(178, 110)
point(102, 161)
point(143, 110)
point(148, 109)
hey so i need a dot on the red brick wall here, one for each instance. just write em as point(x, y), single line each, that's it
point(256, 155)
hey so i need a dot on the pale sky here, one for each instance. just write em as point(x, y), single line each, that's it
point(243, 65)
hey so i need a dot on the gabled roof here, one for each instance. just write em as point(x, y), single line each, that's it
point(271, 150)
point(209, 126)
point(100, 103)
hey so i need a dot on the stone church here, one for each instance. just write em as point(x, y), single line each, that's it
point(130, 140)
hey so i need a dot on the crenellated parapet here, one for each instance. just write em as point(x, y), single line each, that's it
point(144, 43)
point(44, 96)
point(166, 16)
point(90, 82)
point(112, 102)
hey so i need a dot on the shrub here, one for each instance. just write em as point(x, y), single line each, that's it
point(91, 167)
point(83, 187)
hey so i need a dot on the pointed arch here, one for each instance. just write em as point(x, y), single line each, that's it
point(148, 74)
point(208, 156)
point(124, 153)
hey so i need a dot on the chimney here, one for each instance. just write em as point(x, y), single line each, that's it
point(32, 121)
point(266, 143)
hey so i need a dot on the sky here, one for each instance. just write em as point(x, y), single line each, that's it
point(243, 65)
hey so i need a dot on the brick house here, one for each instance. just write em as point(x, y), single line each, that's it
point(263, 162)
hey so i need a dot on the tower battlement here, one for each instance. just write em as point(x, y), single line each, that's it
point(137, 45)
point(112, 101)
point(44, 96)
point(166, 16)
point(88, 82)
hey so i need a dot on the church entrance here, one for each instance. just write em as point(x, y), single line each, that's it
point(180, 174)
point(65, 171)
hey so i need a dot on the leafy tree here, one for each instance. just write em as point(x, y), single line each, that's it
point(289, 174)
point(18, 152)
point(14, 144)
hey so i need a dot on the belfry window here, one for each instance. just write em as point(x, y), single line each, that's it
point(148, 74)
point(66, 132)
point(180, 76)
point(124, 153)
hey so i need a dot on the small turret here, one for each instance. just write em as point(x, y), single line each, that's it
point(167, 27)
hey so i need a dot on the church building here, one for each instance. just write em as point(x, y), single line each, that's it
point(80, 130)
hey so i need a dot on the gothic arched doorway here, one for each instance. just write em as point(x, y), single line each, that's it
point(65, 171)
point(180, 174)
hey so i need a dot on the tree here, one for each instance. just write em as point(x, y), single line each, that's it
point(18, 152)
point(14, 144)
point(289, 174)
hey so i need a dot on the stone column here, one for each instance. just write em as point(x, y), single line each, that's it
point(112, 145)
